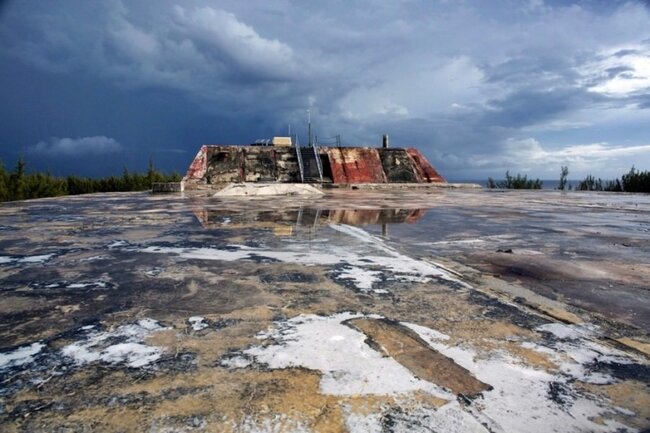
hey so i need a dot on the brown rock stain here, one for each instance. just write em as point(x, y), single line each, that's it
point(408, 349)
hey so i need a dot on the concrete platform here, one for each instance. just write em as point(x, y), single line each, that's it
point(448, 310)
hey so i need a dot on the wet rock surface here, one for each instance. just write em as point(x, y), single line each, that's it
point(132, 312)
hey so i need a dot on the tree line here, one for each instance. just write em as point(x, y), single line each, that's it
point(633, 181)
point(17, 184)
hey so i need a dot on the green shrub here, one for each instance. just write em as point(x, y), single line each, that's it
point(590, 183)
point(633, 181)
point(636, 181)
point(563, 175)
point(515, 182)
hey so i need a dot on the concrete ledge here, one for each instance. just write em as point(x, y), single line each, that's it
point(268, 189)
point(165, 187)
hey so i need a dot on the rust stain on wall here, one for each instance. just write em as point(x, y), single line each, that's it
point(425, 171)
point(355, 165)
point(199, 165)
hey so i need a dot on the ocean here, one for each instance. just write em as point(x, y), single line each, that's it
point(546, 183)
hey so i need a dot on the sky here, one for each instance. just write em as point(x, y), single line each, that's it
point(480, 87)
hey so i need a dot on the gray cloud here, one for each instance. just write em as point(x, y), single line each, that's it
point(83, 146)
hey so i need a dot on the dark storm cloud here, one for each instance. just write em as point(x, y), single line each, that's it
point(533, 106)
point(469, 83)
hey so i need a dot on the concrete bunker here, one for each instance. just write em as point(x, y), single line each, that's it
point(215, 165)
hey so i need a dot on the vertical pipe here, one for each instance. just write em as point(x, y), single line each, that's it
point(309, 126)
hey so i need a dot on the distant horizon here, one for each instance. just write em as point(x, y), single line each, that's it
point(450, 179)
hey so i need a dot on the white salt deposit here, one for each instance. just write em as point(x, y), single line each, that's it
point(560, 330)
point(198, 323)
point(36, 259)
point(278, 423)
point(133, 354)
point(520, 400)
point(394, 260)
point(363, 278)
point(20, 356)
point(365, 259)
point(42, 258)
point(235, 362)
point(95, 284)
point(427, 334)
point(93, 258)
point(574, 350)
point(348, 365)
point(228, 255)
point(362, 423)
point(268, 189)
point(117, 244)
point(417, 418)
point(456, 242)
point(123, 345)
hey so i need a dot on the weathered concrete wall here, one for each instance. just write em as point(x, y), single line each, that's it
point(215, 164)
point(224, 164)
point(259, 165)
point(355, 165)
point(286, 165)
point(164, 187)
point(346, 165)
point(398, 166)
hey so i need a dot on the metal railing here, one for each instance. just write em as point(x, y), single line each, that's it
point(318, 162)
point(300, 164)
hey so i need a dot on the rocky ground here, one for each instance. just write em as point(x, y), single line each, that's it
point(359, 311)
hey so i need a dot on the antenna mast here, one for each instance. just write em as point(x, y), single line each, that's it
point(309, 125)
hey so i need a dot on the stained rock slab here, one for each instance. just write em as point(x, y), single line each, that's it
point(407, 348)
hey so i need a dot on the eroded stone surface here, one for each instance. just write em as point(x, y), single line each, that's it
point(130, 312)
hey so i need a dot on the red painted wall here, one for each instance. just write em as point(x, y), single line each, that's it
point(355, 165)
point(423, 168)
point(199, 165)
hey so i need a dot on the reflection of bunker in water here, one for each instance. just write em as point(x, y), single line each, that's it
point(219, 164)
point(283, 223)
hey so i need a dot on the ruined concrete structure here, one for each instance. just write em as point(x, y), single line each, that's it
point(218, 164)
